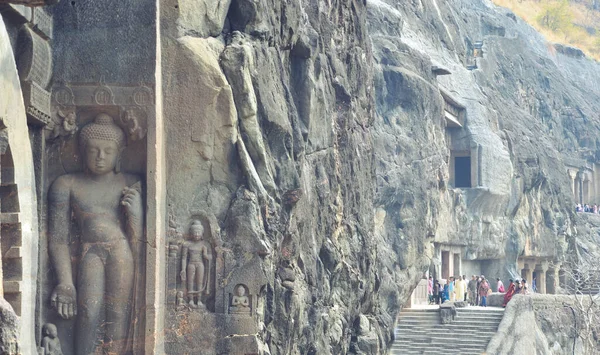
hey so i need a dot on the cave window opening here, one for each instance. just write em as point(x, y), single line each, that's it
point(462, 172)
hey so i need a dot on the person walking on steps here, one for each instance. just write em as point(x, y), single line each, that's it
point(484, 287)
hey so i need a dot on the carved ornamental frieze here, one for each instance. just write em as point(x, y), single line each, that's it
point(34, 61)
point(132, 106)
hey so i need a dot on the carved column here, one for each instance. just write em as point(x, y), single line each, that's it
point(585, 189)
point(572, 176)
point(2, 151)
point(578, 187)
point(527, 274)
point(173, 268)
point(450, 265)
point(541, 282)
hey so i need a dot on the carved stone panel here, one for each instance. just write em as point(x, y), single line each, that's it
point(96, 216)
point(34, 57)
point(34, 62)
point(195, 265)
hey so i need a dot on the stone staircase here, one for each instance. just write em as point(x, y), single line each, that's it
point(420, 331)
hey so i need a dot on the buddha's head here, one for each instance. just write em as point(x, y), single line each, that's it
point(196, 230)
point(50, 330)
point(101, 143)
point(240, 291)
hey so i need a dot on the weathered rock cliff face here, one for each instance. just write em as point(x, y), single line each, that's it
point(268, 107)
point(294, 82)
point(530, 113)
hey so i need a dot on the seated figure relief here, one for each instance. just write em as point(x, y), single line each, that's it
point(196, 265)
point(106, 205)
point(240, 303)
point(51, 343)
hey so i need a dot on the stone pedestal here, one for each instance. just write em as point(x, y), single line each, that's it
point(447, 313)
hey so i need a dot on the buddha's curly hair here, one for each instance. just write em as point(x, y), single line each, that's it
point(103, 127)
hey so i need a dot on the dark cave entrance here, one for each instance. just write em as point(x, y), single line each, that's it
point(462, 172)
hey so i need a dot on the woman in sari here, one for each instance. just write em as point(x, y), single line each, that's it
point(509, 293)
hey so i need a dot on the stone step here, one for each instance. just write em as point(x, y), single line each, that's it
point(436, 351)
point(412, 338)
point(481, 318)
point(444, 328)
point(402, 333)
point(450, 327)
point(439, 348)
point(458, 316)
point(456, 319)
point(421, 332)
point(478, 321)
point(442, 341)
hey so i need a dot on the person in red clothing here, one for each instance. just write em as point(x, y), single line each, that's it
point(484, 287)
point(509, 293)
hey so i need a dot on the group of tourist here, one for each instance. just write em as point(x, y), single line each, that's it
point(514, 288)
point(475, 291)
point(586, 208)
point(457, 288)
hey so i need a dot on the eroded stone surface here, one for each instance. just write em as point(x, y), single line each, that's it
point(9, 323)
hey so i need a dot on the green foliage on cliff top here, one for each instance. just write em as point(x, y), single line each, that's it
point(570, 22)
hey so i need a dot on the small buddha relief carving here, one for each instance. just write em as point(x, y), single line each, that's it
point(181, 304)
point(197, 265)
point(240, 301)
point(50, 342)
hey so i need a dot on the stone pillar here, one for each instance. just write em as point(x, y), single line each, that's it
point(450, 264)
point(475, 165)
point(560, 277)
point(572, 176)
point(585, 190)
point(550, 282)
point(173, 272)
point(580, 190)
point(527, 274)
point(541, 281)
point(457, 264)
